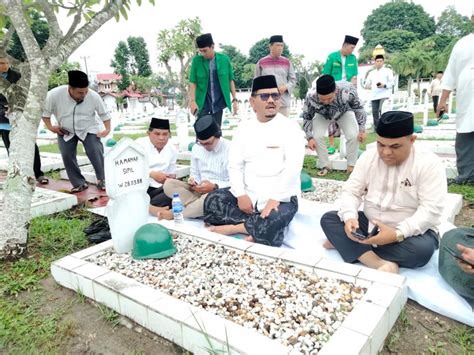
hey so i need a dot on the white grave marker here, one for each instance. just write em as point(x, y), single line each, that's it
point(126, 174)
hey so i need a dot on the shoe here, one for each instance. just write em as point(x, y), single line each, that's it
point(43, 180)
point(101, 185)
point(99, 237)
point(79, 188)
point(96, 226)
point(323, 172)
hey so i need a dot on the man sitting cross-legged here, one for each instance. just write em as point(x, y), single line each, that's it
point(208, 170)
point(404, 191)
point(265, 161)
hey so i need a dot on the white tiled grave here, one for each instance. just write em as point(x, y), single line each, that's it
point(45, 202)
point(362, 331)
point(437, 147)
point(49, 162)
point(89, 174)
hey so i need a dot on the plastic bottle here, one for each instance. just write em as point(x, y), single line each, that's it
point(177, 207)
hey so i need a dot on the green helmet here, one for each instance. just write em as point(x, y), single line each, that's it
point(418, 128)
point(432, 122)
point(190, 146)
point(111, 142)
point(152, 241)
point(306, 182)
point(444, 116)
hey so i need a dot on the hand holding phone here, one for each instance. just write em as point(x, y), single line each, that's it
point(457, 256)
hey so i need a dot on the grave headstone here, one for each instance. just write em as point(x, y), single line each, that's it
point(126, 174)
point(182, 130)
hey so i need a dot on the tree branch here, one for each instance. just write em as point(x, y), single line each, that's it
point(55, 33)
point(7, 38)
point(75, 22)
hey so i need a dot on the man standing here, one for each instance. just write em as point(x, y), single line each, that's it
point(380, 81)
point(75, 109)
point(211, 81)
point(208, 170)
point(12, 77)
point(265, 161)
point(435, 89)
point(404, 191)
point(281, 67)
point(459, 75)
point(334, 102)
point(162, 158)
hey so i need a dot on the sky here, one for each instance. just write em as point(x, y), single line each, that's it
point(309, 27)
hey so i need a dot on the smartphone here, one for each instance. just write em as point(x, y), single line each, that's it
point(374, 231)
point(457, 256)
point(359, 235)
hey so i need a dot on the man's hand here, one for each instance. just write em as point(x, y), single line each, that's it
point(361, 137)
point(386, 235)
point(350, 226)
point(158, 176)
point(103, 133)
point(468, 254)
point(204, 187)
point(192, 182)
point(442, 106)
point(235, 107)
point(282, 89)
point(269, 207)
point(312, 144)
point(245, 204)
point(194, 107)
point(57, 130)
point(171, 176)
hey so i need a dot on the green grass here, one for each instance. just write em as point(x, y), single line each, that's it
point(118, 136)
point(467, 191)
point(24, 326)
point(463, 336)
point(54, 148)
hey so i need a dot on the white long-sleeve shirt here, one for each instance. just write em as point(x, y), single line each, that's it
point(265, 160)
point(409, 197)
point(459, 75)
point(211, 165)
point(384, 76)
point(164, 161)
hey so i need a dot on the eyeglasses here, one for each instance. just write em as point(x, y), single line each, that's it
point(275, 96)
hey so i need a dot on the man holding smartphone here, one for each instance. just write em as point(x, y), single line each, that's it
point(404, 191)
point(208, 170)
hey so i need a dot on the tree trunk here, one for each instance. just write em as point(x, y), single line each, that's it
point(20, 184)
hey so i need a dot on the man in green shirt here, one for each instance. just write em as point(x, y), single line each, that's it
point(211, 81)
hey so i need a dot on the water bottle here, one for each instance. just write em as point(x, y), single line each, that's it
point(177, 207)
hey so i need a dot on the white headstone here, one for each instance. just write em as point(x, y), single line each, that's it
point(126, 174)
point(182, 130)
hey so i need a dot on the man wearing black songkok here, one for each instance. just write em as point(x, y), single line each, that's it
point(404, 191)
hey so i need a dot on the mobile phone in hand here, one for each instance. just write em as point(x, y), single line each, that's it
point(359, 235)
point(374, 231)
point(458, 256)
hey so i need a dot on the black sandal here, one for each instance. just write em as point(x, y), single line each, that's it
point(43, 180)
point(79, 188)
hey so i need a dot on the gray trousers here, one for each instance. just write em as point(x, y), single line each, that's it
point(193, 202)
point(377, 110)
point(221, 208)
point(414, 251)
point(349, 126)
point(94, 151)
point(465, 157)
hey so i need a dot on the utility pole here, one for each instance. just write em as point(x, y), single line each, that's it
point(85, 63)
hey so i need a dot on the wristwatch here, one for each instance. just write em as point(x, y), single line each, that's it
point(400, 236)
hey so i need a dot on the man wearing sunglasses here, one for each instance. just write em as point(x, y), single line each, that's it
point(208, 170)
point(265, 161)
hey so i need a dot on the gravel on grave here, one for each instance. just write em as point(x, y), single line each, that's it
point(327, 191)
point(281, 301)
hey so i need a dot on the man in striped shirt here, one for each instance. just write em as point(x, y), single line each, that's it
point(208, 170)
point(281, 67)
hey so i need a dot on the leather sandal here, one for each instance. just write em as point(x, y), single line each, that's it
point(79, 188)
point(43, 180)
point(323, 172)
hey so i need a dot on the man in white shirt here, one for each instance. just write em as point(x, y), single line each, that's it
point(208, 170)
point(403, 189)
point(380, 81)
point(435, 89)
point(75, 109)
point(459, 75)
point(162, 158)
point(265, 161)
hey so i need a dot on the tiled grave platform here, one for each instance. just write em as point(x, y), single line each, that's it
point(49, 161)
point(437, 147)
point(45, 202)
point(363, 330)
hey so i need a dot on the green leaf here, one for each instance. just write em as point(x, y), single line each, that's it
point(123, 12)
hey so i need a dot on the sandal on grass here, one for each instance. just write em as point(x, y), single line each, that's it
point(323, 172)
point(43, 180)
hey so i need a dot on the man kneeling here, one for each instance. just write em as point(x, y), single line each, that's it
point(404, 191)
point(265, 161)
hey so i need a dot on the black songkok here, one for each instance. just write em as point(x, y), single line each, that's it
point(159, 124)
point(77, 79)
point(325, 85)
point(395, 124)
point(206, 127)
point(379, 56)
point(276, 38)
point(264, 82)
point(204, 40)
point(351, 40)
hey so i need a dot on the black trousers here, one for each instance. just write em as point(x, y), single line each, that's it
point(435, 102)
point(464, 146)
point(377, 110)
point(414, 251)
point(158, 197)
point(37, 158)
point(221, 208)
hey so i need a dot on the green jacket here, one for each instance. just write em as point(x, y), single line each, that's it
point(333, 66)
point(199, 75)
